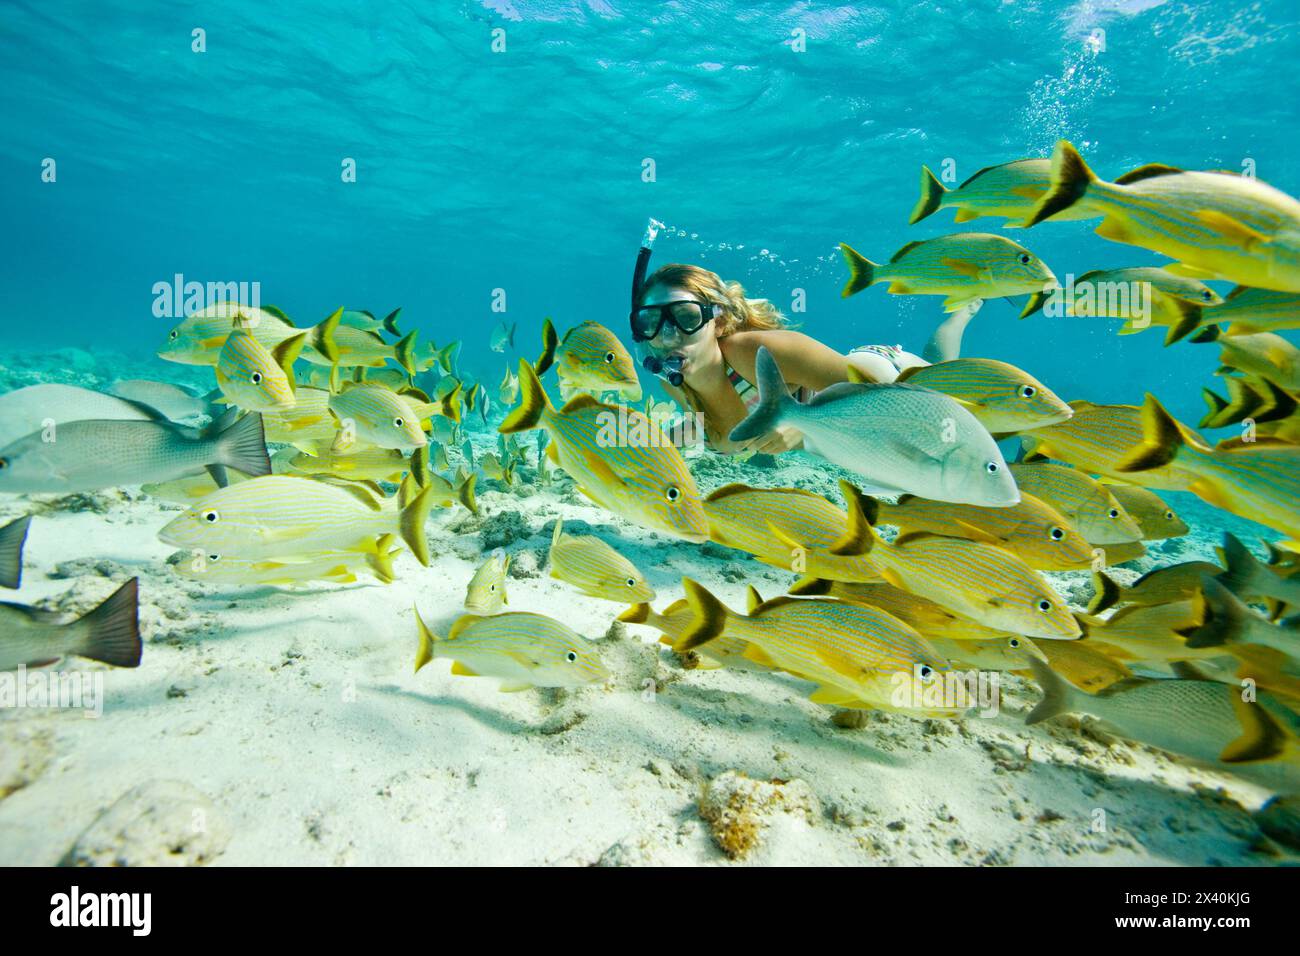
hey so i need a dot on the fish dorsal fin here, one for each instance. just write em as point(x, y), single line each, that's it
point(277, 313)
point(726, 491)
point(753, 600)
point(904, 250)
point(811, 587)
point(579, 402)
point(1261, 737)
point(1149, 171)
point(857, 539)
point(462, 622)
point(772, 604)
point(911, 537)
point(356, 490)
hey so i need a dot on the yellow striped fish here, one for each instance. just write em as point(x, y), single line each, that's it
point(486, 593)
point(617, 457)
point(1003, 397)
point(255, 378)
point(963, 267)
point(1143, 297)
point(198, 338)
point(1086, 503)
point(1010, 190)
point(524, 650)
point(1258, 480)
point(762, 522)
point(375, 415)
point(1149, 634)
point(1217, 225)
point(925, 616)
point(590, 358)
point(978, 580)
point(336, 344)
point(1155, 519)
point(1246, 310)
point(860, 656)
point(596, 569)
point(1262, 355)
point(332, 566)
point(1096, 438)
point(1176, 582)
point(282, 514)
point(1032, 529)
point(365, 464)
point(308, 421)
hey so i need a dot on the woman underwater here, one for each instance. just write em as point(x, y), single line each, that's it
point(688, 319)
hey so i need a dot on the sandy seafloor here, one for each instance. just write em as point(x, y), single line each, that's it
point(275, 726)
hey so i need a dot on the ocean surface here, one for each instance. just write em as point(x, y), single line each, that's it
point(522, 170)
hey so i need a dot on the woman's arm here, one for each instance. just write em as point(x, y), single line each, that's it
point(803, 360)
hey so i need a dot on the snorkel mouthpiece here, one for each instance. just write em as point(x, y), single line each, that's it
point(669, 369)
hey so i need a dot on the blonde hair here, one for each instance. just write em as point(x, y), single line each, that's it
point(738, 313)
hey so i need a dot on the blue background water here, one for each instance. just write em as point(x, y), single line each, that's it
point(522, 170)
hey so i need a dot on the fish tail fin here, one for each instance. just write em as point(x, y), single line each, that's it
point(1224, 620)
point(932, 192)
point(465, 494)
point(1241, 567)
point(550, 342)
point(12, 537)
point(390, 321)
point(411, 525)
point(242, 444)
point(1106, 593)
point(425, 651)
point(449, 404)
point(286, 353)
point(322, 337)
point(709, 621)
point(114, 628)
point(404, 352)
point(863, 512)
point(1188, 321)
point(1058, 696)
point(862, 271)
point(773, 397)
point(1071, 178)
point(636, 614)
point(1161, 439)
point(380, 560)
point(533, 403)
point(421, 466)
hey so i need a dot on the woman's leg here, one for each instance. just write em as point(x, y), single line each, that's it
point(945, 341)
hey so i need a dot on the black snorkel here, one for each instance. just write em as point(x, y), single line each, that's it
point(669, 369)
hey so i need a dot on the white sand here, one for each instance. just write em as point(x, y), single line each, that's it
point(298, 715)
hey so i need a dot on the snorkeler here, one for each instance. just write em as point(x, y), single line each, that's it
point(701, 336)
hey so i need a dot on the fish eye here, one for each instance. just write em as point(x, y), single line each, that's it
point(1044, 605)
point(214, 557)
point(492, 587)
point(631, 582)
point(1169, 516)
point(609, 358)
point(399, 421)
point(991, 467)
point(925, 672)
point(1114, 512)
point(1028, 391)
point(571, 656)
point(1207, 295)
point(1024, 258)
point(211, 517)
point(256, 378)
point(672, 493)
point(1014, 642)
point(175, 335)
point(1057, 534)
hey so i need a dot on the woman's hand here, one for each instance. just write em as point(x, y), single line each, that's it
point(781, 439)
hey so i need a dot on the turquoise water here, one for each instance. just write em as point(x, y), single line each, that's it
point(522, 170)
